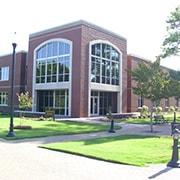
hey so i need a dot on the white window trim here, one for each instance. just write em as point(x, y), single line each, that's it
point(90, 84)
point(6, 99)
point(6, 70)
point(49, 85)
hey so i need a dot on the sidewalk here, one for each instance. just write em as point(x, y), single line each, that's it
point(131, 129)
point(24, 161)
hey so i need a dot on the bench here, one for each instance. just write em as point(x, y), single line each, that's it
point(174, 126)
point(159, 119)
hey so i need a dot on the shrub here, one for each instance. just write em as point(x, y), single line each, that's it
point(177, 109)
point(171, 109)
point(158, 110)
point(41, 118)
point(144, 111)
point(139, 109)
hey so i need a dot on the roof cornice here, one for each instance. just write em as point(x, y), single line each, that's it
point(75, 24)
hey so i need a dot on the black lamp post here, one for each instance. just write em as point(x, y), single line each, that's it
point(11, 127)
point(110, 117)
point(175, 153)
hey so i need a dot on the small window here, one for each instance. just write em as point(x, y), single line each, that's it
point(4, 73)
point(140, 101)
point(166, 102)
point(3, 98)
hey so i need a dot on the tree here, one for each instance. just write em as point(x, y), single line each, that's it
point(151, 81)
point(25, 101)
point(175, 75)
point(158, 83)
point(171, 44)
point(141, 76)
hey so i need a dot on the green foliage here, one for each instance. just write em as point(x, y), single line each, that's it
point(25, 101)
point(173, 88)
point(158, 110)
point(109, 114)
point(171, 109)
point(175, 75)
point(171, 44)
point(151, 81)
point(144, 111)
point(141, 76)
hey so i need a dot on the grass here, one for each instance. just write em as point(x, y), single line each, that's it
point(126, 149)
point(168, 117)
point(47, 128)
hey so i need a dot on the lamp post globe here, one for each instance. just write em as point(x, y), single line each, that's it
point(11, 127)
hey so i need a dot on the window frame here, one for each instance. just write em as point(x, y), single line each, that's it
point(4, 73)
point(67, 55)
point(107, 77)
point(3, 98)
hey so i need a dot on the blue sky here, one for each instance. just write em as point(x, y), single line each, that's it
point(141, 22)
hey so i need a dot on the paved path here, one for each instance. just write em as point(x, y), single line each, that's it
point(133, 129)
point(23, 160)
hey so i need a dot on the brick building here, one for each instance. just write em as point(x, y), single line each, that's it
point(134, 101)
point(5, 79)
point(78, 69)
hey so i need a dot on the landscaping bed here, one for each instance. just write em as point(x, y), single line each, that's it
point(168, 118)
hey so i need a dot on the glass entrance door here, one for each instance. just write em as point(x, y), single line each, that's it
point(44, 100)
point(94, 106)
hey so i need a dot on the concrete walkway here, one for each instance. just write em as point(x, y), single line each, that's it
point(131, 129)
point(23, 160)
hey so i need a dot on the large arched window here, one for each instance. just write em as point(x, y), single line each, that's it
point(53, 62)
point(105, 64)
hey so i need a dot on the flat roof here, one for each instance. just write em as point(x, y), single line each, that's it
point(137, 58)
point(73, 24)
point(9, 54)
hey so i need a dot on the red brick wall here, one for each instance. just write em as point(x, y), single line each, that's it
point(80, 36)
point(74, 35)
point(89, 34)
point(132, 99)
point(19, 78)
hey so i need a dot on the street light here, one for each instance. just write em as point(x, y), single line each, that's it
point(110, 117)
point(11, 127)
point(175, 153)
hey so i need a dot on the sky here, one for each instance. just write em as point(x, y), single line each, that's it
point(141, 22)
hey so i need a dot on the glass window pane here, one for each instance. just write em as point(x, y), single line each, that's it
point(66, 78)
point(96, 49)
point(47, 69)
point(106, 51)
point(43, 68)
point(55, 49)
point(37, 69)
point(67, 48)
point(37, 79)
point(60, 78)
point(61, 48)
point(49, 49)
point(115, 55)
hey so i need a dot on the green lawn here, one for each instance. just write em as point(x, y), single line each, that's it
point(131, 149)
point(169, 117)
point(47, 128)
